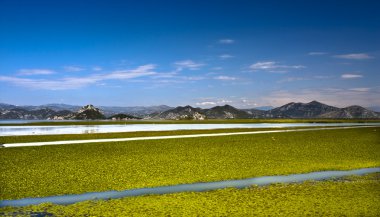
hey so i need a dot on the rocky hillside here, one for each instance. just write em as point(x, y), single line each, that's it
point(301, 110)
point(225, 112)
point(137, 111)
point(181, 113)
point(217, 112)
point(312, 109)
point(351, 112)
point(256, 113)
point(39, 114)
point(88, 112)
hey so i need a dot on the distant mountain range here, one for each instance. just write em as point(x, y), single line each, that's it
point(64, 111)
point(312, 109)
point(301, 110)
point(264, 108)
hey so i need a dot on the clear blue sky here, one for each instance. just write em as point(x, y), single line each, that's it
point(202, 53)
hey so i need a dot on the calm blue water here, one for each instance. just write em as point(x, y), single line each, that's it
point(207, 186)
point(83, 129)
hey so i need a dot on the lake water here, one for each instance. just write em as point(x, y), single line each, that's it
point(84, 129)
point(205, 186)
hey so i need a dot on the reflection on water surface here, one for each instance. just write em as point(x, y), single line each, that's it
point(83, 129)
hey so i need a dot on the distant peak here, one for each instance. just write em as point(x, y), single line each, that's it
point(288, 104)
point(89, 106)
point(314, 102)
point(227, 106)
point(223, 106)
point(355, 107)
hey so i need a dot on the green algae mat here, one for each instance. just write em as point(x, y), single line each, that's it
point(352, 196)
point(73, 169)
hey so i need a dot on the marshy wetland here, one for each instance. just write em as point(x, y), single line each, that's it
point(97, 167)
point(189, 108)
point(349, 196)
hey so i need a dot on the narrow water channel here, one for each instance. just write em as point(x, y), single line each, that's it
point(195, 187)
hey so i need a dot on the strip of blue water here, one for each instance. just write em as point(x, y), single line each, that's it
point(207, 186)
point(85, 129)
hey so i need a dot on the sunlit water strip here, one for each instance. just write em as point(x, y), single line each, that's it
point(65, 142)
point(195, 187)
point(84, 129)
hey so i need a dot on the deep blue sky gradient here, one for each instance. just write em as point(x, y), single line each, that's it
point(81, 45)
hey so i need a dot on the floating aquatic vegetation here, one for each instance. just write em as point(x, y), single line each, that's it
point(73, 169)
point(352, 196)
